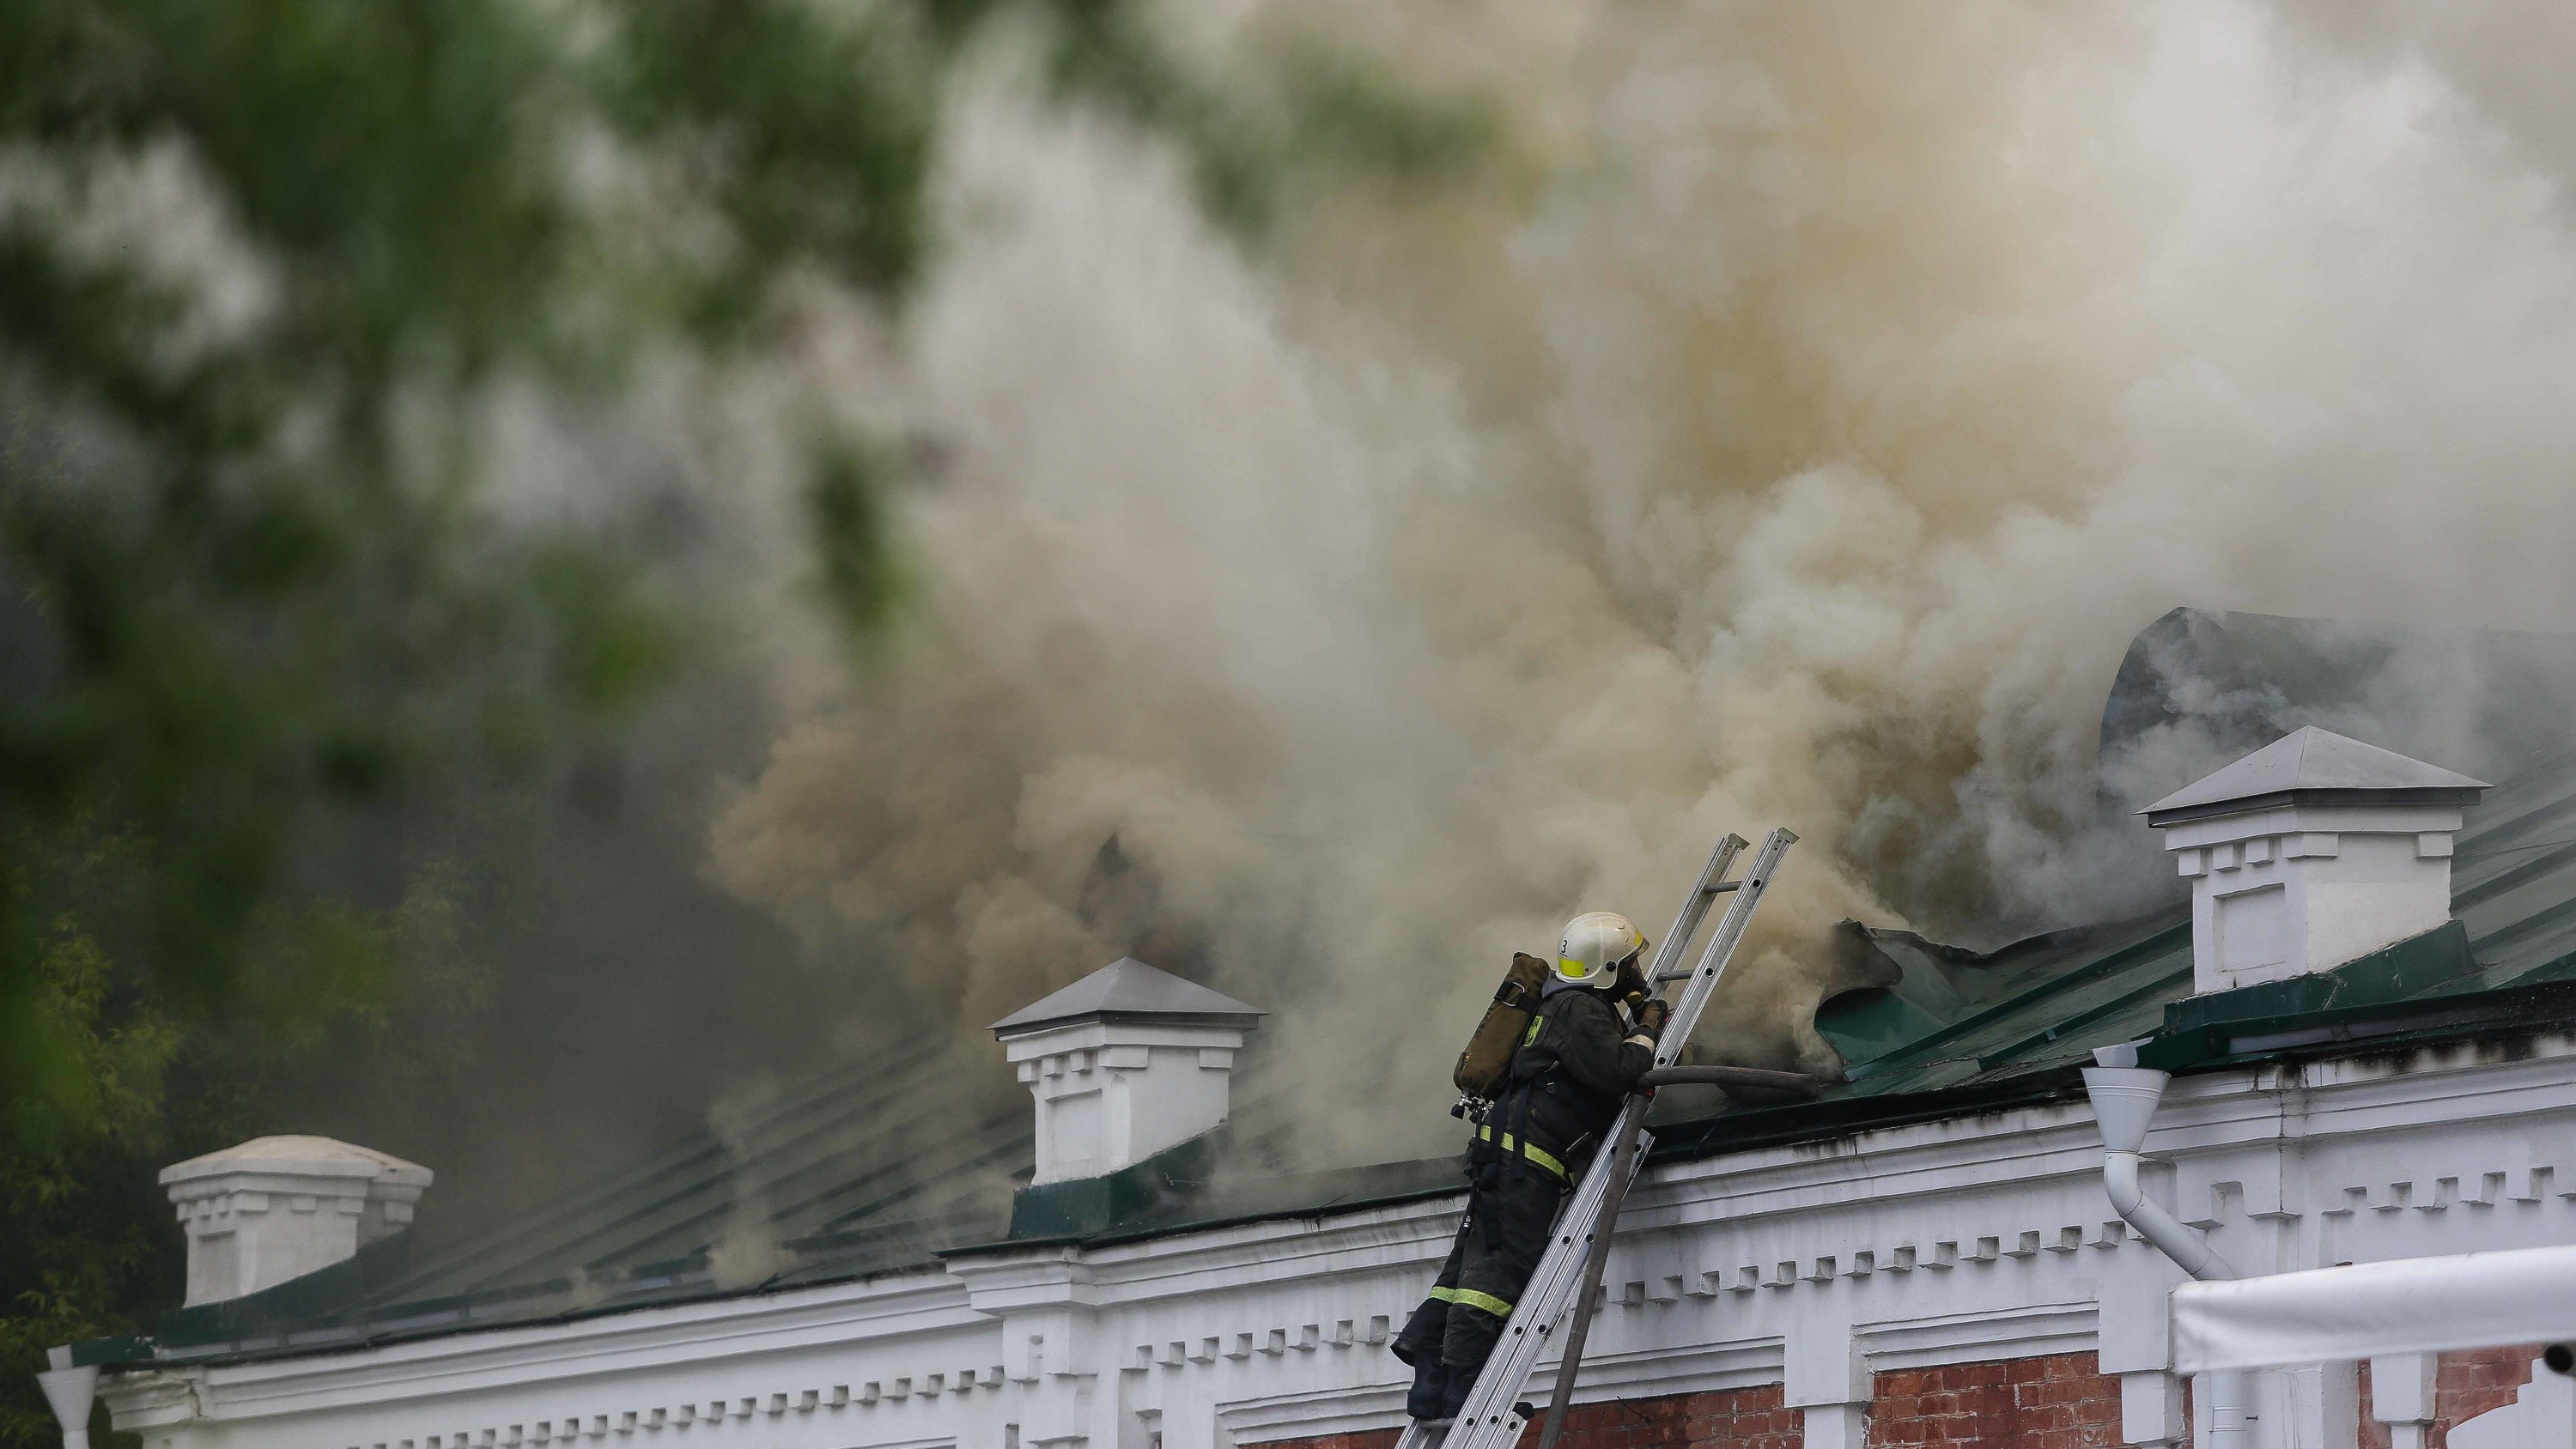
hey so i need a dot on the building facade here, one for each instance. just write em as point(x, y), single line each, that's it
point(1926, 1256)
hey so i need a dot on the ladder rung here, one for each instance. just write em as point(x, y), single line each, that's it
point(1722, 887)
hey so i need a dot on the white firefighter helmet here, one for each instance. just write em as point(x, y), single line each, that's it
point(1594, 945)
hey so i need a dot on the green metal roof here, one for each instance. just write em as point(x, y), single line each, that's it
point(1959, 1031)
point(865, 1169)
point(913, 1151)
point(1956, 1016)
point(876, 1167)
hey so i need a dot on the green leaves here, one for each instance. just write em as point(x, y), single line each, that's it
point(810, 125)
point(254, 571)
point(610, 643)
point(845, 507)
point(1349, 117)
point(275, 587)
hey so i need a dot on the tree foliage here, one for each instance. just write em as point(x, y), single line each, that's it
point(265, 268)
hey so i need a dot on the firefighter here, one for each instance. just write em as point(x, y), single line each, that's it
point(1591, 1038)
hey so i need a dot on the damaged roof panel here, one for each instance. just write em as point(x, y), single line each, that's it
point(1953, 1015)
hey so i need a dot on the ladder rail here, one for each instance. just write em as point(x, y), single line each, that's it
point(1586, 1289)
point(1490, 1418)
point(1686, 921)
point(1721, 949)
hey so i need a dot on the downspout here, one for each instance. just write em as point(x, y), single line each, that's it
point(71, 1391)
point(2125, 1096)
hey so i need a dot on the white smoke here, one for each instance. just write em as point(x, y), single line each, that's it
point(1804, 448)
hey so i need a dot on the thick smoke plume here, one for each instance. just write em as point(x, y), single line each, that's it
point(1795, 429)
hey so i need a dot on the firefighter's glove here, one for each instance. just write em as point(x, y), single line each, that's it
point(1652, 1016)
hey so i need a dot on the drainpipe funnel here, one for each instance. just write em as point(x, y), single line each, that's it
point(2124, 1102)
point(70, 1391)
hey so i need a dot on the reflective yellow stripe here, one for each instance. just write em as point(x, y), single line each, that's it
point(1530, 1150)
point(1571, 969)
point(1484, 1301)
point(1445, 1295)
point(1531, 1035)
point(1543, 1159)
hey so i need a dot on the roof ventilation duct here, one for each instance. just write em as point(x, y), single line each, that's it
point(2310, 852)
point(1124, 1063)
point(276, 1208)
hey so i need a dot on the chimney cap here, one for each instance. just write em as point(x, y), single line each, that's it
point(1128, 990)
point(2314, 766)
point(299, 1156)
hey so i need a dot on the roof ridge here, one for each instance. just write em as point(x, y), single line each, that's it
point(1127, 987)
point(2312, 760)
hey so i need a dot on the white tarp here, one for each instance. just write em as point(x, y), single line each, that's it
point(2473, 1300)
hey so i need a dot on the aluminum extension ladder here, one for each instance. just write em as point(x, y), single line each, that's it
point(1492, 1417)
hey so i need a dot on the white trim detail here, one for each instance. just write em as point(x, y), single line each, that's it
point(1812, 1265)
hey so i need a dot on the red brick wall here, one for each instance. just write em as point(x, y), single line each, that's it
point(2059, 1401)
point(1740, 1419)
point(2465, 1385)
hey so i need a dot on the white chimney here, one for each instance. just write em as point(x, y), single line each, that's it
point(1124, 1063)
point(2310, 852)
point(276, 1208)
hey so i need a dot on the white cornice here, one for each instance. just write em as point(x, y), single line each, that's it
point(1048, 1277)
point(1874, 1191)
point(620, 1343)
point(1313, 1414)
point(2027, 1331)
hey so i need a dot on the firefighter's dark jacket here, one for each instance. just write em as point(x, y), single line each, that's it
point(1575, 1064)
